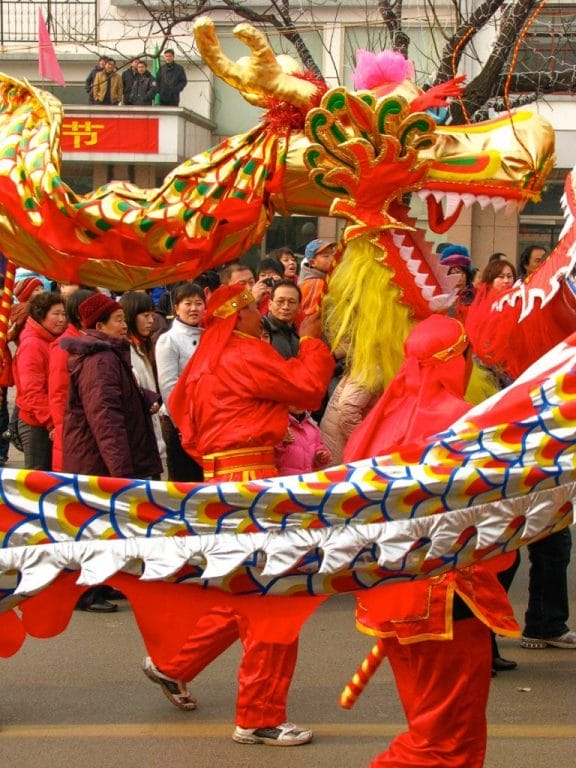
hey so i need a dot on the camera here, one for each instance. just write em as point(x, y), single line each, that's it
point(269, 281)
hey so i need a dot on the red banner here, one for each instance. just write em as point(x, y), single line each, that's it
point(137, 135)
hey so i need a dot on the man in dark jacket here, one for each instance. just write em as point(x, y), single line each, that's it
point(128, 77)
point(89, 82)
point(143, 87)
point(171, 80)
point(279, 322)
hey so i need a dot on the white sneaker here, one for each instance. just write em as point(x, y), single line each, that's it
point(176, 691)
point(567, 640)
point(283, 735)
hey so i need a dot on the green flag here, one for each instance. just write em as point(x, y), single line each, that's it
point(155, 68)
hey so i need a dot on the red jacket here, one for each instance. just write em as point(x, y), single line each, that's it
point(31, 375)
point(422, 609)
point(313, 291)
point(58, 380)
point(244, 402)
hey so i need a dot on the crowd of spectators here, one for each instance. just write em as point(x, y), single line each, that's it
point(135, 85)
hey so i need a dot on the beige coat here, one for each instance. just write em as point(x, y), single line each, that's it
point(99, 87)
point(346, 408)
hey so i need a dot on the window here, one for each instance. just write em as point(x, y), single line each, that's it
point(550, 43)
point(541, 223)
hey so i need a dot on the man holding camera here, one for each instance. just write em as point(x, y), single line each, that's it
point(269, 272)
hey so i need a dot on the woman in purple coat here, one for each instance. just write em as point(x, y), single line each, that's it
point(107, 425)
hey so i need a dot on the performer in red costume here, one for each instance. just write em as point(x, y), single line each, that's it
point(231, 405)
point(443, 686)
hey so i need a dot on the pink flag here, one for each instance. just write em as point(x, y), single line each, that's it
point(48, 66)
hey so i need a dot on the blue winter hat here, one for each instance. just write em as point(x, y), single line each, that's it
point(456, 256)
point(315, 247)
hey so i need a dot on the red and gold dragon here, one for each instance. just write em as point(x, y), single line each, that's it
point(336, 153)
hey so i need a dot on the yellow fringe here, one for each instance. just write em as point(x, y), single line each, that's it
point(363, 314)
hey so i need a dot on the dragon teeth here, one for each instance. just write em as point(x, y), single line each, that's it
point(498, 203)
point(451, 200)
point(428, 292)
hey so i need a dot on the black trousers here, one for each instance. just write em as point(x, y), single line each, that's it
point(4, 422)
point(548, 608)
point(37, 446)
point(180, 466)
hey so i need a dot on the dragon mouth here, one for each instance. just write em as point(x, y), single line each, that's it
point(444, 208)
point(417, 265)
point(412, 255)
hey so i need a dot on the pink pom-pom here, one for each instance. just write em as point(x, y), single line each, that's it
point(381, 70)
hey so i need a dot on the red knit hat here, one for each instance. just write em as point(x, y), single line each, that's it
point(97, 306)
point(24, 288)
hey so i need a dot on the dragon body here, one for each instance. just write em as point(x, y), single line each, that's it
point(499, 482)
point(517, 327)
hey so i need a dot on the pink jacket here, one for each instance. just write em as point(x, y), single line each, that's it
point(301, 454)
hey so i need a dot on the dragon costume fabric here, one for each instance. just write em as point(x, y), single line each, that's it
point(501, 478)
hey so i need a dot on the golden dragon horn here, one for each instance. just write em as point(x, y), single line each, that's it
point(259, 76)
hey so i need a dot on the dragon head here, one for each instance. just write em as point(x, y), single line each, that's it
point(360, 157)
point(363, 157)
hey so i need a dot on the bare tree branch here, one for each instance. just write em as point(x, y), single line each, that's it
point(498, 105)
point(453, 51)
point(488, 83)
point(391, 12)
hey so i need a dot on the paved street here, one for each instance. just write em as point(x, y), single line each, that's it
point(81, 700)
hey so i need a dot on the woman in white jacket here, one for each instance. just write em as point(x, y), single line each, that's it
point(173, 350)
point(139, 313)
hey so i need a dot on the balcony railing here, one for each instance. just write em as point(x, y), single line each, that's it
point(69, 21)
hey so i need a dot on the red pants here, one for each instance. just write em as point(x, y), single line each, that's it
point(266, 669)
point(265, 672)
point(443, 687)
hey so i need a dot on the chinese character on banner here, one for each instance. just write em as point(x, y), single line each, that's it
point(113, 135)
point(84, 133)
